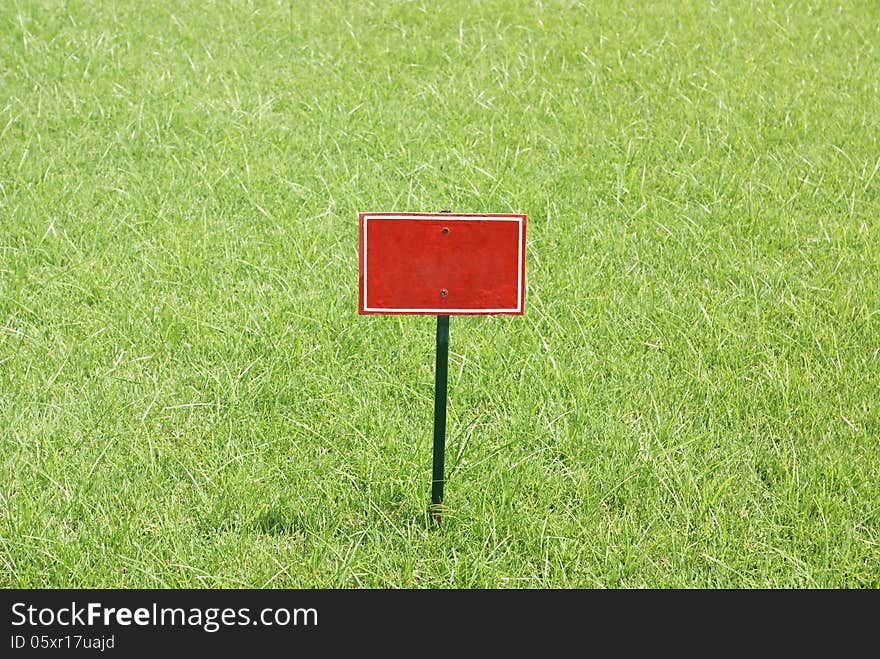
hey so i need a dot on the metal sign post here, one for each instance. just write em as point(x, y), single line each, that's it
point(437, 476)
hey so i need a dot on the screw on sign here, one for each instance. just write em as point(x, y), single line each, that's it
point(441, 264)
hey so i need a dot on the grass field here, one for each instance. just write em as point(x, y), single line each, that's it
point(188, 397)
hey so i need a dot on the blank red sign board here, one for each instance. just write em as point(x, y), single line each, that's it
point(441, 263)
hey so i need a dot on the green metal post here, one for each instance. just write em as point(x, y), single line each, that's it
point(440, 415)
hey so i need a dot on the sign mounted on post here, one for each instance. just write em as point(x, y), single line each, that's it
point(442, 263)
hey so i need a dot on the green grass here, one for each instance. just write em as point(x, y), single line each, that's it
point(188, 397)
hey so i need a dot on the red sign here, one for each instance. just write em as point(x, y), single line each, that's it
point(442, 264)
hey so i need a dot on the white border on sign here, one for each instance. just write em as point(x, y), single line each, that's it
point(453, 218)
